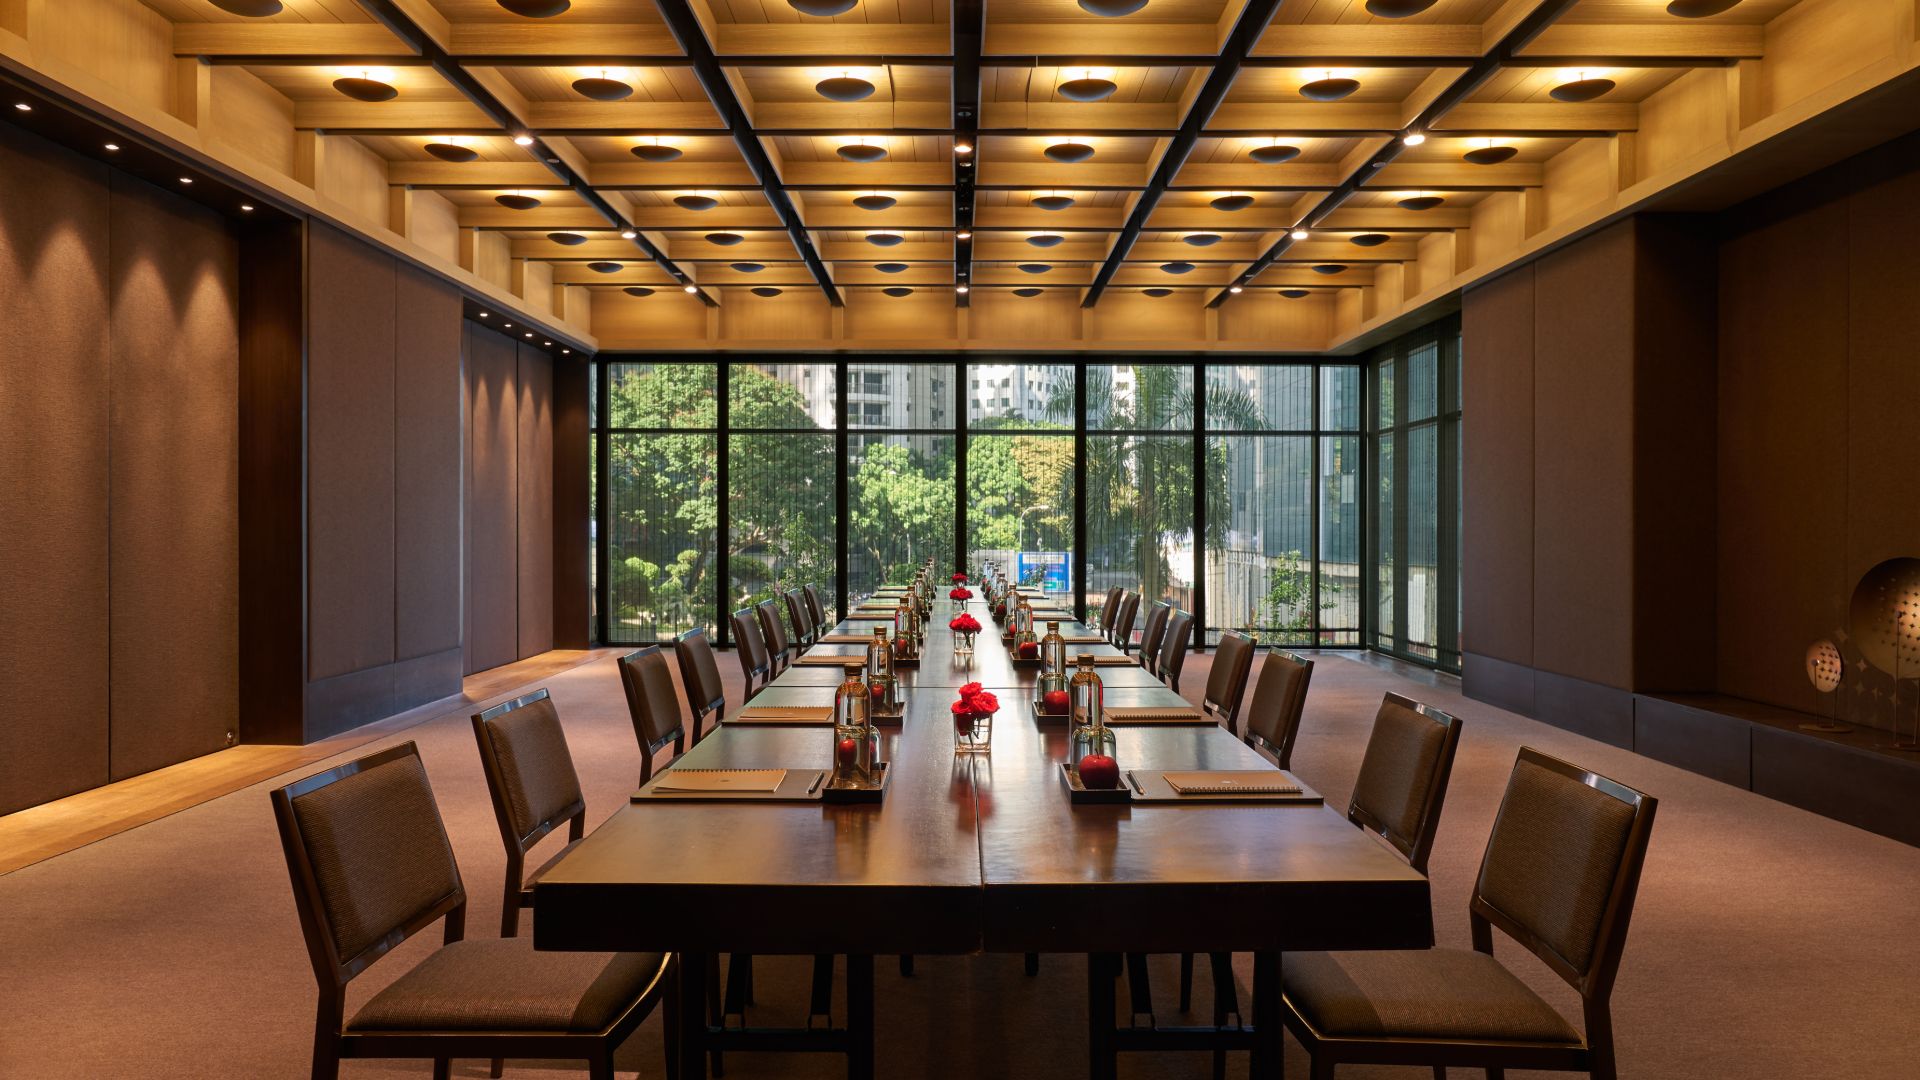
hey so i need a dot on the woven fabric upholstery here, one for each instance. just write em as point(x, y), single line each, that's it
point(1173, 648)
point(772, 631)
point(698, 668)
point(1425, 994)
point(816, 611)
point(746, 639)
point(1154, 632)
point(535, 767)
point(650, 697)
point(1227, 682)
point(1274, 711)
point(1123, 619)
point(502, 984)
point(1110, 607)
point(378, 850)
point(1553, 857)
point(1397, 772)
point(802, 619)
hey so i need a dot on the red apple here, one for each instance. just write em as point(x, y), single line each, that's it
point(849, 751)
point(1029, 650)
point(1055, 701)
point(878, 691)
point(1098, 771)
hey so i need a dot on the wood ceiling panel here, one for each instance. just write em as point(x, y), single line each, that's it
point(292, 11)
point(582, 11)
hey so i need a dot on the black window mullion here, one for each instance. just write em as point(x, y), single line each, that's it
point(840, 408)
point(723, 508)
point(1080, 488)
point(1315, 494)
point(1198, 490)
point(960, 548)
point(602, 462)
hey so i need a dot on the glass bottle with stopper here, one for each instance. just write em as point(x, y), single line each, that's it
point(1050, 690)
point(856, 745)
point(1092, 750)
point(906, 631)
point(1025, 645)
point(881, 682)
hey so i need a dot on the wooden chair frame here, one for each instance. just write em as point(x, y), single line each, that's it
point(1228, 712)
point(636, 702)
point(1291, 710)
point(519, 893)
point(1418, 848)
point(332, 1043)
point(1595, 1054)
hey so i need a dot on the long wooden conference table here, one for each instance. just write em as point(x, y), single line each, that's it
point(972, 853)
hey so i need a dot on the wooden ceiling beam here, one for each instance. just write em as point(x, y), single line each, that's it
point(483, 42)
point(394, 117)
point(853, 175)
point(1087, 117)
point(830, 117)
point(670, 175)
point(860, 251)
point(1087, 176)
point(1624, 45)
point(631, 273)
point(969, 41)
point(1393, 219)
point(1592, 118)
point(1457, 177)
point(1298, 176)
point(1117, 39)
point(313, 42)
point(801, 40)
point(1328, 42)
point(472, 174)
point(1306, 117)
point(544, 218)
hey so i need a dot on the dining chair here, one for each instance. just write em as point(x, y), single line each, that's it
point(1153, 634)
point(816, 610)
point(1173, 649)
point(1273, 714)
point(1559, 876)
point(774, 633)
point(756, 667)
point(534, 789)
point(700, 679)
point(1403, 776)
point(1120, 634)
point(804, 637)
point(1227, 679)
point(653, 706)
point(371, 866)
point(1109, 608)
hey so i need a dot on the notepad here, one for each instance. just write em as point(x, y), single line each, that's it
point(1231, 782)
point(1150, 715)
point(846, 639)
point(792, 714)
point(757, 781)
point(1111, 661)
point(832, 661)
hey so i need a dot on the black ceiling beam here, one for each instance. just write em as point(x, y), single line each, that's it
point(969, 27)
point(709, 69)
point(1469, 80)
point(1247, 30)
point(403, 27)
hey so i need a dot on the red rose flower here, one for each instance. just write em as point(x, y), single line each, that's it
point(959, 579)
point(963, 707)
point(984, 702)
point(969, 690)
point(964, 624)
point(960, 594)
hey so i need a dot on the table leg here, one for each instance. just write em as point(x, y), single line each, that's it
point(860, 1025)
point(1269, 1033)
point(693, 1015)
point(1102, 1059)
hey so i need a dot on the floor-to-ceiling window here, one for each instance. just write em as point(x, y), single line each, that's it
point(660, 501)
point(1140, 471)
point(781, 460)
point(1020, 466)
point(900, 470)
point(1414, 533)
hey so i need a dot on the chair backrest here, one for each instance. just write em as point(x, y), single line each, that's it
point(369, 860)
point(754, 661)
point(772, 631)
point(815, 610)
point(1109, 608)
point(1121, 633)
point(700, 676)
point(654, 706)
point(1173, 648)
point(1227, 682)
point(1153, 634)
point(530, 773)
point(1561, 870)
point(1273, 714)
point(1403, 776)
point(802, 619)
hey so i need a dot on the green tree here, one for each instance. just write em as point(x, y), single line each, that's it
point(900, 508)
point(1289, 600)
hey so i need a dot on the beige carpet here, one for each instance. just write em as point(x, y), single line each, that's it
point(1768, 942)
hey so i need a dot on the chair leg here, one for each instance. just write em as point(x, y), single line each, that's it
point(1186, 982)
point(498, 1066)
point(670, 1024)
point(1032, 965)
point(601, 1068)
point(906, 965)
point(821, 1002)
point(442, 1069)
point(1139, 988)
point(1322, 1069)
point(1439, 1072)
point(1496, 1074)
point(714, 1015)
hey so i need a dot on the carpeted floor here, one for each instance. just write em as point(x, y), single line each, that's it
point(1768, 942)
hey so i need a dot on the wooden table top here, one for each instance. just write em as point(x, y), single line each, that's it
point(971, 852)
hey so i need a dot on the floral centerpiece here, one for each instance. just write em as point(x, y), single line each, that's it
point(964, 627)
point(973, 719)
point(960, 593)
point(958, 579)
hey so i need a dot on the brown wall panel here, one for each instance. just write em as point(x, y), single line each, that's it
point(1497, 469)
point(174, 508)
point(572, 506)
point(534, 444)
point(493, 583)
point(1583, 459)
point(53, 459)
point(428, 468)
point(350, 455)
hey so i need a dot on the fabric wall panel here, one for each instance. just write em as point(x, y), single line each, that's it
point(174, 560)
point(493, 621)
point(350, 459)
point(535, 447)
point(428, 467)
point(53, 459)
point(1497, 469)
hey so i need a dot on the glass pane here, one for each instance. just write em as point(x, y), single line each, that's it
point(1256, 397)
point(900, 491)
point(1383, 392)
point(662, 518)
point(1140, 518)
point(1020, 507)
point(662, 396)
point(593, 532)
point(1383, 544)
point(900, 396)
point(1139, 397)
point(1423, 540)
point(1423, 382)
point(1339, 399)
point(1260, 536)
point(1340, 540)
point(782, 396)
point(1019, 396)
point(780, 517)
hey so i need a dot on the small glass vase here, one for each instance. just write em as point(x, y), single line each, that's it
point(963, 643)
point(972, 733)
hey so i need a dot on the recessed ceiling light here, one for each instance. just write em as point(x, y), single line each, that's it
point(1274, 152)
point(517, 200)
point(1235, 290)
point(885, 239)
point(1397, 9)
point(1370, 239)
point(1088, 87)
point(602, 87)
point(637, 290)
point(566, 352)
point(506, 326)
point(897, 290)
point(1069, 152)
point(1582, 89)
point(873, 200)
point(536, 9)
point(23, 106)
point(1413, 138)
point(365, 86)
point(961, 289)
point(449, 151)
point(1112, 9)
point(963, 235)
point(628, 234)
point(251, 9)
point(1232, 201)
point(1330, 268)
point(695, 201)
point(1046, 240)
point(655, 151)
point(1294, 294)
point(891, 267)
point(1490, 154)
point(113, 146)
point(1035, 268)
point(691, 289)
point(844, 88)
point(862, 151)
point(1699, 9)
point(1330, 87)
point(246, 208)
point(1201, 239)
point(483, 314)
point(605, 267)
point(523, 140)
point(764, 290)
point(549, 343)
point(1028, 292)
point(1177, 267)
point(186, 179)
point(566, 238)
point(962, 148)
point(1157, 292)
point(1051, 200)
point(1420, 202)
point(821, 9)
point(1298, 234)
point(724, 239)
point(749, 267)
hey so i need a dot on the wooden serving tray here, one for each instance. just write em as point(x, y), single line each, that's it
point(1051, 719)
point(834, 792)
point(1079, 794)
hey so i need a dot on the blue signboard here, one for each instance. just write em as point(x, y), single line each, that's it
point(1054, 569)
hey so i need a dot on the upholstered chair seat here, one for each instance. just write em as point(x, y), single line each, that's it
point(1425, 994)
point(502, 984)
